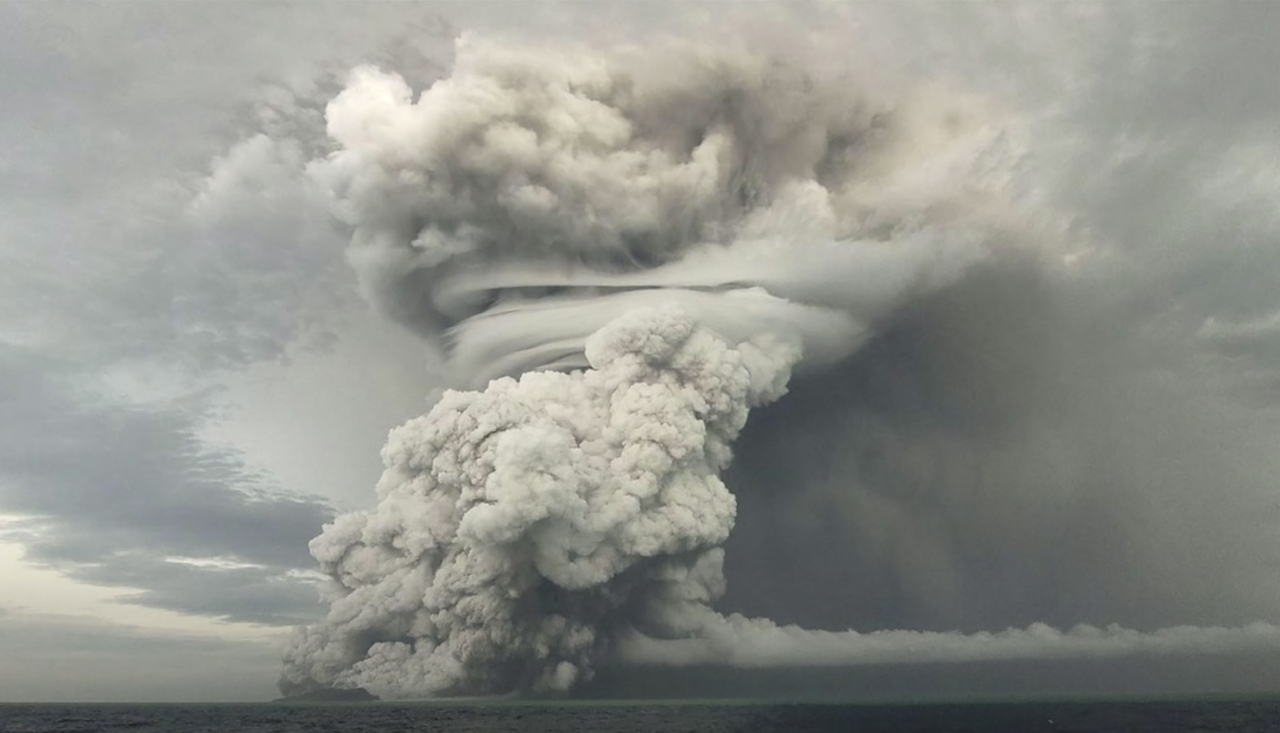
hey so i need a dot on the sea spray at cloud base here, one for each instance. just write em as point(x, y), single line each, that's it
point(636, 253)
point(738, 641)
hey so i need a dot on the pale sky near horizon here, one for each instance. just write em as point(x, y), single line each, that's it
point(190, 384)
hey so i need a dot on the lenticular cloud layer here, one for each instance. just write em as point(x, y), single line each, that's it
point(620, 258)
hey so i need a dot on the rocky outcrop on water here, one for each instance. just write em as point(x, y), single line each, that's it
point(358, 694)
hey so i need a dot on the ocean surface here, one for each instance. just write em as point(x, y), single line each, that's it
point(1237, 716)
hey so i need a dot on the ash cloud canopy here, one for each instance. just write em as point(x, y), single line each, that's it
point(521, 203)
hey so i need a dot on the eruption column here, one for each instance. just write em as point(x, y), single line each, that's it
point(635, 253)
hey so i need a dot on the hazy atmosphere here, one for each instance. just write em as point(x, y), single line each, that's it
point(868, 349)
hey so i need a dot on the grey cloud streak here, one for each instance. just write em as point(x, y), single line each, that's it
point(70, 658)
point(108, 490)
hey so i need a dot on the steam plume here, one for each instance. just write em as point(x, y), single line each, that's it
point(635, 254)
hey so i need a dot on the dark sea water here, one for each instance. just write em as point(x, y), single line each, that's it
point(1238, 716)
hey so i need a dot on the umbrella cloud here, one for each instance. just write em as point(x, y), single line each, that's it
point(619, 259)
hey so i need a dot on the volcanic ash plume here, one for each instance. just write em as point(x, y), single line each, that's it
point(638, 250)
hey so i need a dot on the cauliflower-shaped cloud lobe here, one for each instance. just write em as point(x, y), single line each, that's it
point(522, 528)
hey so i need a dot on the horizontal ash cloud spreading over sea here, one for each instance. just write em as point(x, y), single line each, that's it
point(756, 363)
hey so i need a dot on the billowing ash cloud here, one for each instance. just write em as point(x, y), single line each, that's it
point(520, 527)
point(636, 249)
point(518, 205)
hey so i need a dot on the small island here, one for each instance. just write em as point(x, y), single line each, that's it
point(332, 694)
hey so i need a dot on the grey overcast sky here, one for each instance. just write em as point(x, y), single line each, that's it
point(190, 385)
